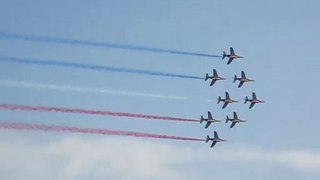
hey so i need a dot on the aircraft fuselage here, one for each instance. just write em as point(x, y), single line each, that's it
point(217, 139)
point(229, 101)
point(255, 101)
point(233, 56)
point(216, 78)
point(212, 120)
point(245, 79)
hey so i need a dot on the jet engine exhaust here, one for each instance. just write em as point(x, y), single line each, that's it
point(71, 129)
point(68, 41)
point(92, 67)
point(15, 107)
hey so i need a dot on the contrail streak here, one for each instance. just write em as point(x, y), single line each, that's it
point(71, 129)
point(92, 67)
point(14, 107)
point(36, 85)
point(57, 40)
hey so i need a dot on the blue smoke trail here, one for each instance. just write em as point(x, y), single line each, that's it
point(96, 44)
point(92, 67)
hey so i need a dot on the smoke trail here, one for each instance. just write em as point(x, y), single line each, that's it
point(40, 127)
point(14, 107)
point(92, 67)
point(56, 40)
point(22, 84)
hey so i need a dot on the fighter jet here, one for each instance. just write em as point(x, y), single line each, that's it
point(226, 101)
point(232, 56)
point(242, 79)
point(234, 120)
point(214, 77)
point(253, 101)
point(215, 139)
point(209, 120)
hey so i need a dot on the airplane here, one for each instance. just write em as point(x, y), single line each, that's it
point(242, 79)
point(226, 101)
point(232, 56)
point(215, 139)
point(214, 77)
point(234, 120)
point(253, 101)
point(209, 120)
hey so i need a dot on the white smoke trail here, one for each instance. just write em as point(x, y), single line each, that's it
point(36, 85)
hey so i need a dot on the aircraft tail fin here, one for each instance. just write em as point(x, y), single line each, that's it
point(235, 78)
point(219, 99)
point(224, 55)
point(207, 77)
point(227, 119)
point(201, 120)
point(246, 100)
point(208, 138)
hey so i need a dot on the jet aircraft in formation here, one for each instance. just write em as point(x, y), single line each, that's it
point(215, 77)
point(232, 56)
point(253, 101)
point(215, 139)
point(234, 120)
point(226, 101)
point(242, 79)
point(209, 120)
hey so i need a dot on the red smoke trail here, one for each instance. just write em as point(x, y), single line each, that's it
point(41, 127)
point(85, 111)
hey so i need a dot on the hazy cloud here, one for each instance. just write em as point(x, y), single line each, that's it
point(121, 158)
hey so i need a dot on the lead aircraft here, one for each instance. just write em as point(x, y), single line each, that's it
point(253, 101)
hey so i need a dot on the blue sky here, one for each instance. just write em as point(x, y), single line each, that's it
point(278, 39)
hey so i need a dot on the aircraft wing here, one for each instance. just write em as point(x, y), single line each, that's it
point(208, 124)
point(240, 84)
point(227, 95)
point(235, 116)
point(254, 96)
point(243, 75)
point(230, 60)
point(215, 134)
point(252, 104)
point(212, 82)
point(224, 105)
point(233, 123)
point(213, 143)
point(215, 72)
point(232, 51)
point(209, 115)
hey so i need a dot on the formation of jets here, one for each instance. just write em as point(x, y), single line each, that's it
point(227, 100)
point(215, 77)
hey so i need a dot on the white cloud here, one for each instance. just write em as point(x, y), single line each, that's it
point(73, 158)
point(123, 158)
point(304, 160)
